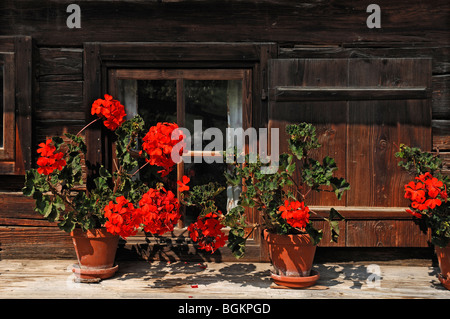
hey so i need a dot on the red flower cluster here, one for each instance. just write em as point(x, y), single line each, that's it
point(182, 184)
point(207, 232)
point(49, 161)
point(160, 211)
point(158, 144)
point(295, 213)
point(112, 110)
point(427, 193)
point(123, 218)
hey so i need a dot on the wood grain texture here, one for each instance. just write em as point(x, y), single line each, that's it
point(370, 130)
point(182, 34)
point(60, 64)
point(318, 22)
point(385, 233)
point(182, 281)
point(35, 242)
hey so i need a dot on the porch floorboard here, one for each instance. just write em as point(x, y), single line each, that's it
point(237, 280)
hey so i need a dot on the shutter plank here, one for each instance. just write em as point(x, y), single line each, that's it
point(329, 118)
point(294, 93)
point(377, 128)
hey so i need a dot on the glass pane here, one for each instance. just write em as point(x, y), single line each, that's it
point(1, 107)
point(216, 103)
point(157, 101)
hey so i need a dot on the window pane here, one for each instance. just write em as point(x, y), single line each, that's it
point(217, 104)
point(157, 101)
point(154, 100)
point(1, 107)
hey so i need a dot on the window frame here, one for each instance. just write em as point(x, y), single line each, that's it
point(99, 58)
point(181, 75)
point(7, 148)
point(16, 154)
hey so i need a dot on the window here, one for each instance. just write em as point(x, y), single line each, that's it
point(2, 111)
point(7, 138)
point(196, 100)
point(219, 65)
point(15, 107)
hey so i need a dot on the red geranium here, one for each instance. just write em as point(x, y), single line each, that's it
point(425, 194)
point(207, 232)
point(49, 161)
point(295, 213)
point(182, 184)
point(123, 218)
point(158, 144)
point(111, 110)
point(160, 211)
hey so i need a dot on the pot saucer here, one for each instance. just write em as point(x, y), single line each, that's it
point(296, 282)
point(444, 281)
point(91, 275)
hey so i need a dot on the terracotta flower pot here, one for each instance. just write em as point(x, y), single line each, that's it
point(443, 255)
point(96, 251)
point(292, 258)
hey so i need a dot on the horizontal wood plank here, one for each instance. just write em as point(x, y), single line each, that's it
point(441, 135)
point(385, 233)
point(365, 213)
point(182, 281)
point(35, 242)
point(60, 64)
point(440, 53)
point(293, 93)
point(64, 96)
point(310, 22)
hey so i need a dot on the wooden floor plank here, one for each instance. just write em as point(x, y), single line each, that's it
point(184, 280)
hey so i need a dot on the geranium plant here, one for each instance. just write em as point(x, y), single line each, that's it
point(428, 192)
point(118, 201)
point(279, 197)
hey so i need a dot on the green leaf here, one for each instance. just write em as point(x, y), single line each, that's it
point(418, 161)
point(68, 223)
point(236, 243)
point(104, 172)
point(47, 210)
point(340, 185)
point(316, 235)
point(302, 138)
point(334, 224)
point(57, 141)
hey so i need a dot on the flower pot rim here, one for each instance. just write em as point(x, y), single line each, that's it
point(288, 239)
point(92, 233)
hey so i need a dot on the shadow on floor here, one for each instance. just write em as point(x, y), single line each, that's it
point(165, 275)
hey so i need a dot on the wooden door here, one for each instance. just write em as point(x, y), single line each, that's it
point(363, 110)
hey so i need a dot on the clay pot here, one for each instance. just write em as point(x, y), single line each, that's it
point(96, 251)
point(292, 258)
point(443, 255)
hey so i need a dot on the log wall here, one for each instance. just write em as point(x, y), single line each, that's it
point(308, 29)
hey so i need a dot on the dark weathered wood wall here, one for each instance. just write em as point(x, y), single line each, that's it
point(308, 29)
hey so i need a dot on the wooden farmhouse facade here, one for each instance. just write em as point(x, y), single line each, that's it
point(367, 87)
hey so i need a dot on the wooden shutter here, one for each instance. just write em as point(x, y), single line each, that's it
point(363, 109)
